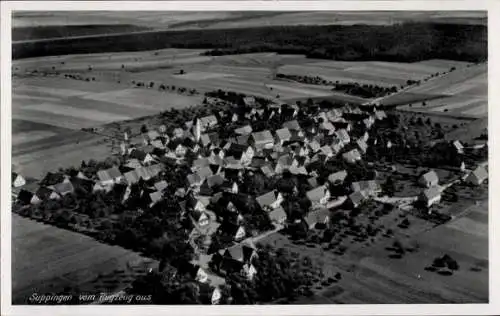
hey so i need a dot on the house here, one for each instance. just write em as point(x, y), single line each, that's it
point(285, 162)
point(269, 201)
point(240, 233)
point(263, 139)
point(267, 170)
point(337, 177)
point(318, 219)
point(193, 179)
point(356, 198)
point(17, 180)
point(327, 127)
point(369, 188)
point(368, 122)
point(249, 271)
point(477, 176)
point(155, 197)
point(318, 196)
point(52, 178)
point(430, 196)
point(180, 150)
point(362, 146)
point(152, 135)
point(313, 182)
point(44, 193)
point(336, 146)
point(298, 170)
point(208, 122)
point(314, 146)
point(216, 296)
point(201, 276)
point(63, 188)
point(160, 186)
point(204, 172)
point(429, 179)
point(457, 145)
point(291, 125)
point(28, 196)
point(200, 163)
point(380, 115)
point(231, 187)
point(249, 101)
point(352, 156)
point(278, 215)
point(200, 219)
point(133, 164)
point(242, 153)
point(283, 135)
point(109, 176)
point(327, 151)
point(343, 136)
point(244, 130)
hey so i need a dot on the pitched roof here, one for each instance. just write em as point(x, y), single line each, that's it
point(214, 180)
point(155, 196)
point(480, 173)
point(193, 178)
point(277, 214)
point(138, 154)
point(298, 170)
point(318, 216)
point(109, 174)
point(369, 186)
point(337, 176)
point(266, 199)
point(161, 185)
point(153, 134)
point(242, 139)
point(432, 192)
point(243, 130)
point(262, 137)
point(291, 125)
point(64, 188)
point(316, 194)
point(235, 252)
point(430, 176)
point(352, 155)
point(313, 181)
point(208, 120)
point(204, 172)
point(283, 134)
point(357, 197)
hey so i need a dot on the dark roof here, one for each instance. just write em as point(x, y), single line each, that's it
point(138, 154)
point(52, 178)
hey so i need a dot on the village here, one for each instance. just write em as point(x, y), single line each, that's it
point(230, 178)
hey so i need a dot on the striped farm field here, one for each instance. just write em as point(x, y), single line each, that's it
point(461, 92)
point(47, 259)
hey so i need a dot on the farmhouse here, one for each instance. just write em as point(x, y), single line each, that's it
point(244, 130)
point(17, 180)
point(362, 146)
point(477, 176)
point(208, 122)
point(291, 125)
point(337, 178)
point(318, 196)
point(283, 135)
point(278, 215)
point(318, 219)
point(343, 136)
point(109, 176)
point(356, 199)
point(352, 156)
point(429, 179)
point(270, 200)
point(261, 140)
point(430, 196)
point(369, 188)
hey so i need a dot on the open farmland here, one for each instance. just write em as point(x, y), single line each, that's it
point(372, 274)
point(463, 92)
point(46, 259)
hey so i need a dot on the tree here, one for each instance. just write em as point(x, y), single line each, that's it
point(453, 265)
point(144, 129)
point(438, 263)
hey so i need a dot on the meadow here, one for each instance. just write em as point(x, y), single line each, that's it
point(46, 259)
point(371, 274)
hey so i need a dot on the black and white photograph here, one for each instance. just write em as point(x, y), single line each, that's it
point(247, 157)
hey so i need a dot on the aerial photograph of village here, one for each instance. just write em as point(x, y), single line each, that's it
point(249, 157)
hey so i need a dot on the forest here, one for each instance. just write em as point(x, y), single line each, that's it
point(407, 42)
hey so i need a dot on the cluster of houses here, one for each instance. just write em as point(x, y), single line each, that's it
point(219, 165)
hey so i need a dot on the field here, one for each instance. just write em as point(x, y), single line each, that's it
point(463, 92)
point(58, 106)
point(372, 274)
point(46, 259)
